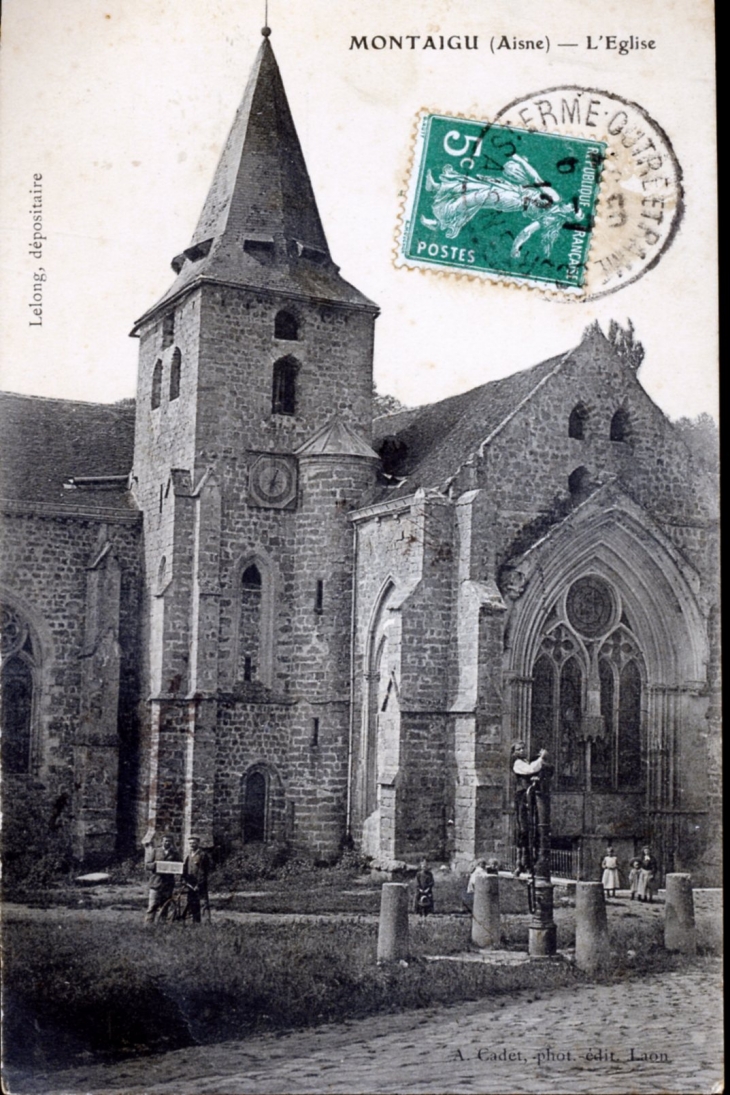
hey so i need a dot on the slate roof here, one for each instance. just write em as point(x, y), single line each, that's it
point(44, 442)
point(260, 226)
point(336, 438)
point(430, 443)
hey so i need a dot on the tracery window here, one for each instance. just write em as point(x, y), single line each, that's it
point(18, 681)
point(589, 657)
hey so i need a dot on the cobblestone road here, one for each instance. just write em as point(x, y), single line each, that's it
point(661, 1034)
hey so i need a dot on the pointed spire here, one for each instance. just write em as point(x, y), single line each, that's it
point(260, 226)
point(261, 187)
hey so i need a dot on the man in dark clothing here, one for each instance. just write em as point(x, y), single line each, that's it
point(161, 885)
point(195, 878)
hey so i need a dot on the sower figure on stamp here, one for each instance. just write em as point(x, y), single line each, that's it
point(525, 773)
point(195, 878)
point(161, 886)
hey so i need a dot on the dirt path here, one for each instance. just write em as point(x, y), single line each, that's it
point(662, 1034)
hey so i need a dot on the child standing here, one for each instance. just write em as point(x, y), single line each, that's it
point(610, 880)
point(634, 877)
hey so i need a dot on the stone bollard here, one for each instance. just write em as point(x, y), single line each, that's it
point(393, 926)
point(592, 952)
point(486, 928)
point(679, 915)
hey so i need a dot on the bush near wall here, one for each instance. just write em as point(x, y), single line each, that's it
point(36, 837)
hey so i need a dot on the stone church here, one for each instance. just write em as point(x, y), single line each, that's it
point(242, 607)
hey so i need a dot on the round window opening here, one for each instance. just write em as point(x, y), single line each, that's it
point(591, 606)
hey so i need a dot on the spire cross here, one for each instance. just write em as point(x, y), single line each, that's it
point(266, 29)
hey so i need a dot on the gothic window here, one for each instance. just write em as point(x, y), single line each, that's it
point(590, 606)
point(254, 807)
point(284, 390)
point(629, 727)
point(175, 371)
point(156, 395)
point(249, 628)
point(17, 682)
point(620, 425)
point(570, 749)
point(566, 670)
point(286, 326)
point(603, 746)
point(577, 422)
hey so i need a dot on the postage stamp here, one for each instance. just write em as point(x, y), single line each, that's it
point(501, 202)
point(641, 202)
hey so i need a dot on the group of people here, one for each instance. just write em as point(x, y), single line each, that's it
point(194, 880)
point(643, 875)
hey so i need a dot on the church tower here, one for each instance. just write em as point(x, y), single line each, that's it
point(254, 410)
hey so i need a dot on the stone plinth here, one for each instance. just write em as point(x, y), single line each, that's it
point(679, 915)
point(393, 927)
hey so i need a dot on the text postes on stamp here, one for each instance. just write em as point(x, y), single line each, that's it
point(641, 201)
point(501, 202)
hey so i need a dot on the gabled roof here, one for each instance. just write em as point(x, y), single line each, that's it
point(435, 440)
point(260, 226)
point(336, 438)
point(45, 443)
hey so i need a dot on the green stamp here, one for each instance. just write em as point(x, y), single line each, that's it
point(502, 203)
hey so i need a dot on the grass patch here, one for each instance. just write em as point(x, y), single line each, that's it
point(74, 988)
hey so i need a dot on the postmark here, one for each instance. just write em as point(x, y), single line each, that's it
point(502, 202)
point(641, 201)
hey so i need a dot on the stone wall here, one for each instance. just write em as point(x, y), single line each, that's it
point(80, 742)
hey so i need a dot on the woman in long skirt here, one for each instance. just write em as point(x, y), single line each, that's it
point(648, 881)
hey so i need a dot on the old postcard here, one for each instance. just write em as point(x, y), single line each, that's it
point(359, 547)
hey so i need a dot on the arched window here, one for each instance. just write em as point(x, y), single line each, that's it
point(570, 750)
point(579, 484)
point(286, 326)
point(542, 723)
point(249, 628)
point(603, 747)
point(175, 371)
point(620, 425)
point(629, 727)
point(284, 389)
point(562, 677)
point(577, 422)
point(254, 807)
point(17, 682)
point(156, 395)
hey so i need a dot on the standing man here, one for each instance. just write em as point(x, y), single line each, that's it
point(195, 877)
point(161, 885)
point(525, 770)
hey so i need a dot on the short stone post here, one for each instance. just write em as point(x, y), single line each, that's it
point(679, 915)
point(486, 923)
point(592, 951)
point(393, 927)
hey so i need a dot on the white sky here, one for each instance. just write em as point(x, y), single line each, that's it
point(123, 107)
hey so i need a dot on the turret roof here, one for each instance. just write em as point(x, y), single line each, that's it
point(260, 226)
